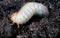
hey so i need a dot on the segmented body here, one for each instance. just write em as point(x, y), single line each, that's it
point(27, 11)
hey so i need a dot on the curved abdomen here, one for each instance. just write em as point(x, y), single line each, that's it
point(30, 9)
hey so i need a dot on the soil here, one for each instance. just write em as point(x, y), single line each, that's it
point(36, 27)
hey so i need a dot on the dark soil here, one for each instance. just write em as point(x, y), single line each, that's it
point(36, 27)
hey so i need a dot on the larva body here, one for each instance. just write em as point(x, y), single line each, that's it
point(27, 11)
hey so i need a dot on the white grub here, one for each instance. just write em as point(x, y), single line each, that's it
point(27, 11)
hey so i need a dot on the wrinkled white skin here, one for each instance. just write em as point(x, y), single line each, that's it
point(28, 10)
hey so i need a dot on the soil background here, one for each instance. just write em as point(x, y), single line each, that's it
point(36, 27)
